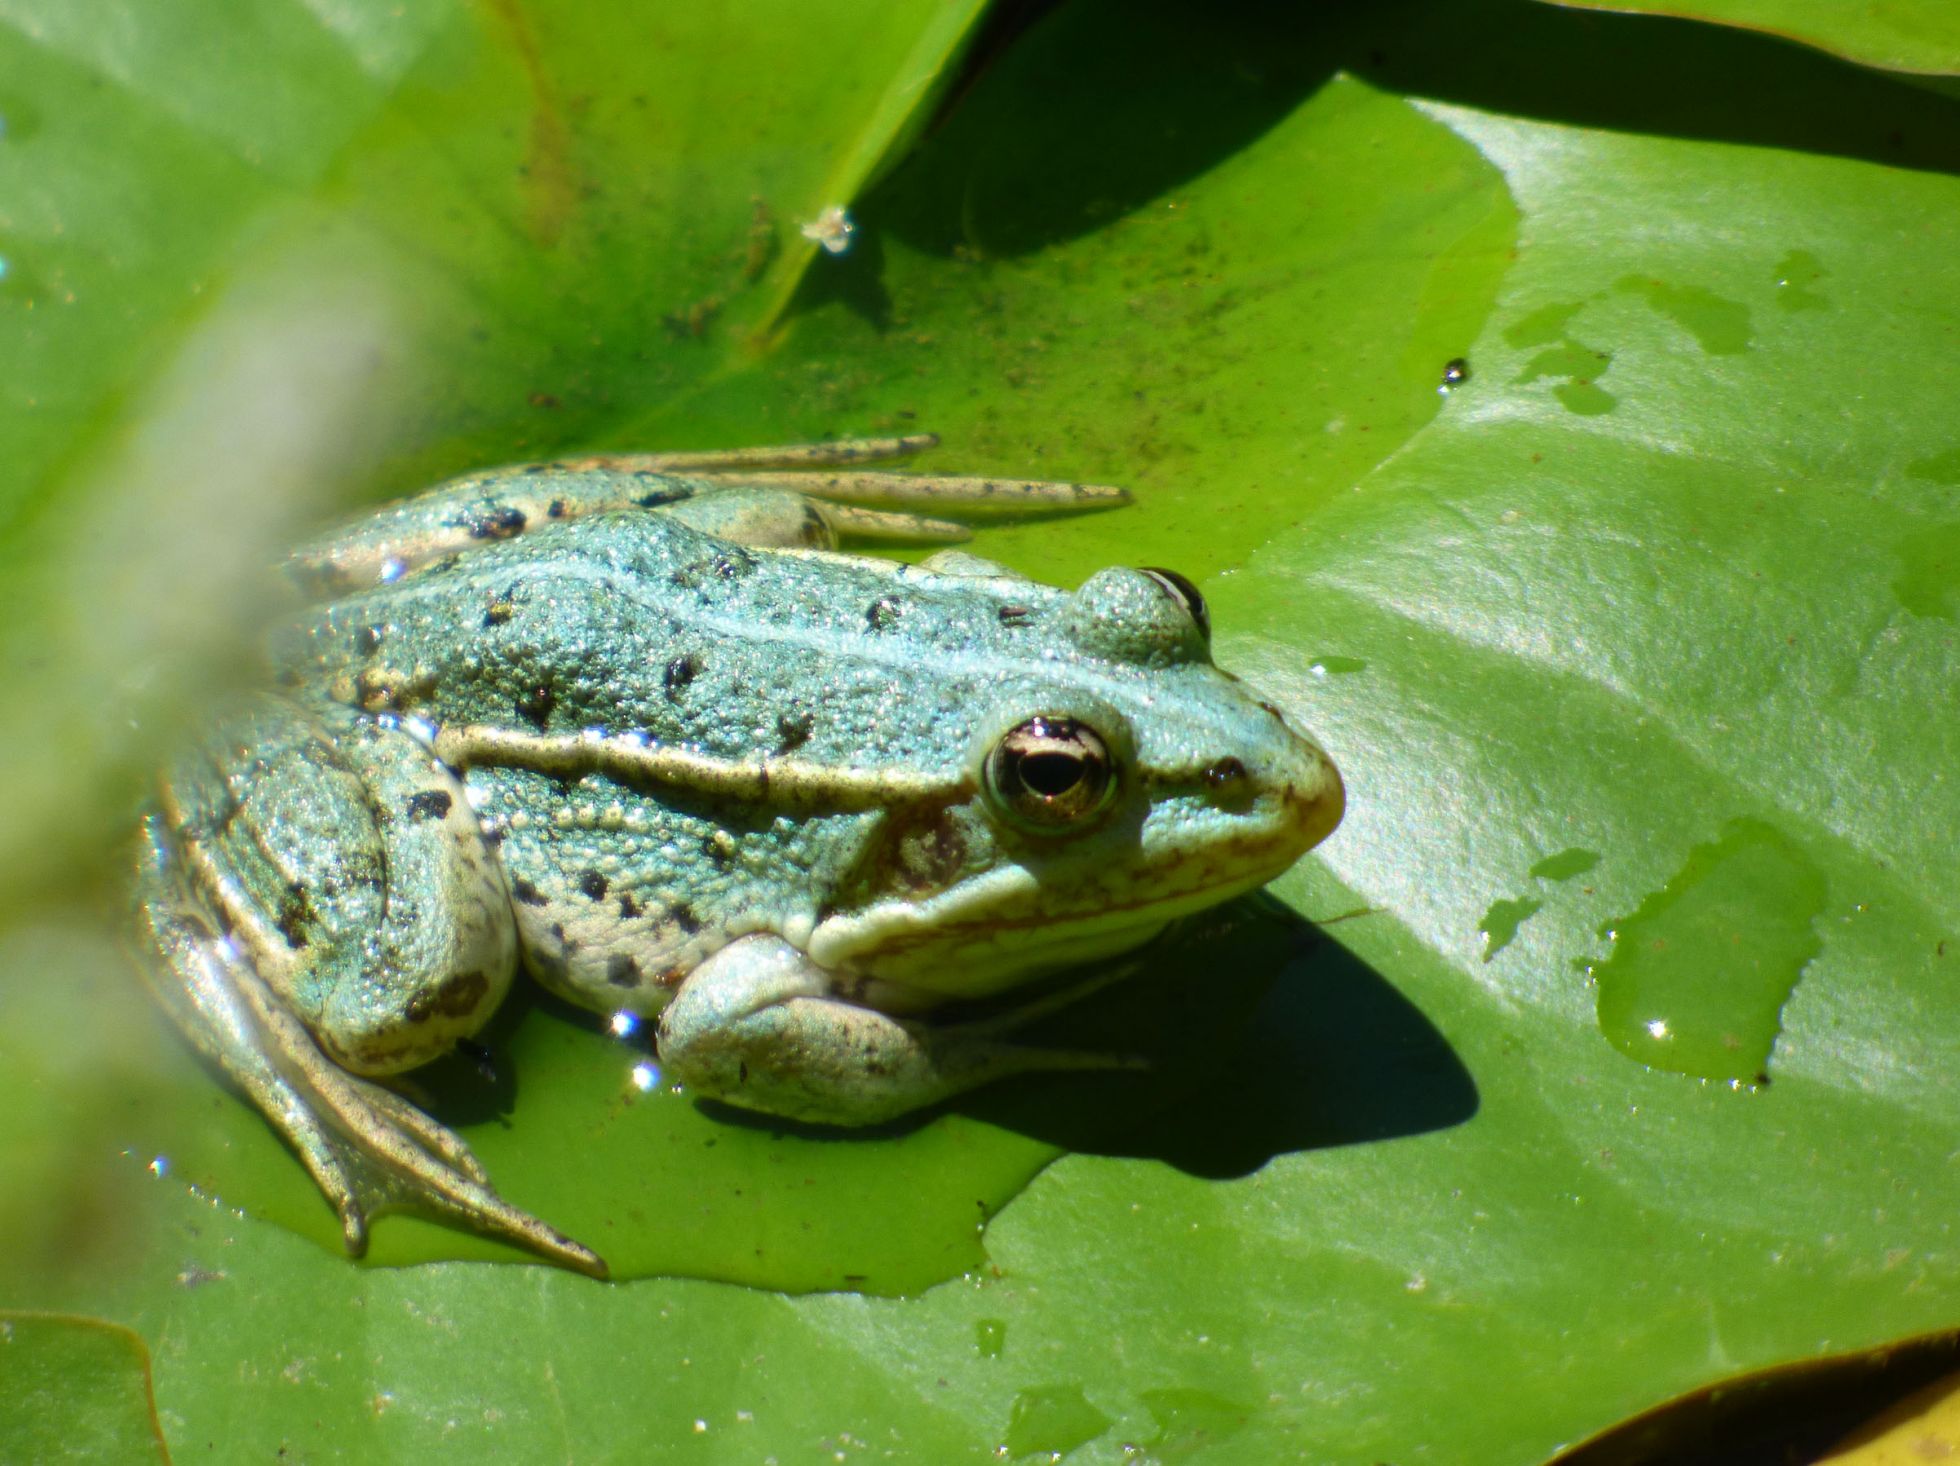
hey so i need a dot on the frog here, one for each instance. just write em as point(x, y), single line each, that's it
point(638, 726)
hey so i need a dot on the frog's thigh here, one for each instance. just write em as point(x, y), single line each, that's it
point(319, 899)
point(756, 1026)
point(347, 868)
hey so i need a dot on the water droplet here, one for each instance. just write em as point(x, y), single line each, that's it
point(1052, 1420)
point(1796, 272)
point(1456, 371)
point(1582, 366)
point(1190, 1422)
point(1566, 864)
point(989, 1337)
point(1928, 582)
point(1500, 924)
point(1544, 325)
point(1699, 973)
point(1720, 326)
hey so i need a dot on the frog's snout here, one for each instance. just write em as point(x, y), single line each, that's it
point(1294, 792)
point(1317, 800)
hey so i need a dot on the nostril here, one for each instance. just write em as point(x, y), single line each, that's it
point(1229, 783)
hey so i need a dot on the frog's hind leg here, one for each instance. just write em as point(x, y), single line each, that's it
point(847, 501)
point(735, 462)
point(314, 904)
point(842, 499)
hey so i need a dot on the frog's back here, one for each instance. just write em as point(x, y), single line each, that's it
point(638, 624)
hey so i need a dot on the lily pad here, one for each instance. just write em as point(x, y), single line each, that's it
point(1903, 35)
point(75, 1389)
point(1653, 598)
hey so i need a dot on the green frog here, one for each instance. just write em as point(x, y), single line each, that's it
point(634, 723)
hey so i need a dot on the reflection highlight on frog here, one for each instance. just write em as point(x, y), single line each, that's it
point(633, 721)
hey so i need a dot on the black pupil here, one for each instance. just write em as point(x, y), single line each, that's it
point(1051, 774)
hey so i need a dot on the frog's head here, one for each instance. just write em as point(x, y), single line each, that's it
point(1116, 780)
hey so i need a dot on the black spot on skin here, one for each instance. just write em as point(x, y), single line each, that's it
point(1013, 615)
point(685, 919)
point(499, 611)
point(718, 848)
point(536, 705)
point(555, 509)
point(456, 996)
point(628, 907)
point(681, 671)
point(793, 731)
point(593, 885)
point(663, 496)
point(430, 804)
point(928, 850)
point(816, 531)
point(322, 579)
point(367, 640)
point(296, 914)
point(728, 565)
point(882, 614)
point(623, 971)
point(1268, 707)
point(495, 522)
point(529, 894)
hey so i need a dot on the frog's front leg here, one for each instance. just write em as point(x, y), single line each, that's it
point(759, 1026)
point(323, 905)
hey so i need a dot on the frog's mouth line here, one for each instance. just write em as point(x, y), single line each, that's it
point(1007, 927)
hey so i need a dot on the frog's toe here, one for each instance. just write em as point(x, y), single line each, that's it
point(372, 1152)
point(439, 1141)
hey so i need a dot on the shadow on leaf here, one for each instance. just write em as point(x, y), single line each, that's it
point(1264, 1036)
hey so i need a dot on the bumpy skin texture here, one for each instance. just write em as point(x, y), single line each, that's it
point(793, 801)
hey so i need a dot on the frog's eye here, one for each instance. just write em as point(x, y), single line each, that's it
point(1185, 594)
point(1051, 773)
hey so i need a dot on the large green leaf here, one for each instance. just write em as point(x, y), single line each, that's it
point(75, 1389)
point(1905, 35)
point(1637, 649)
